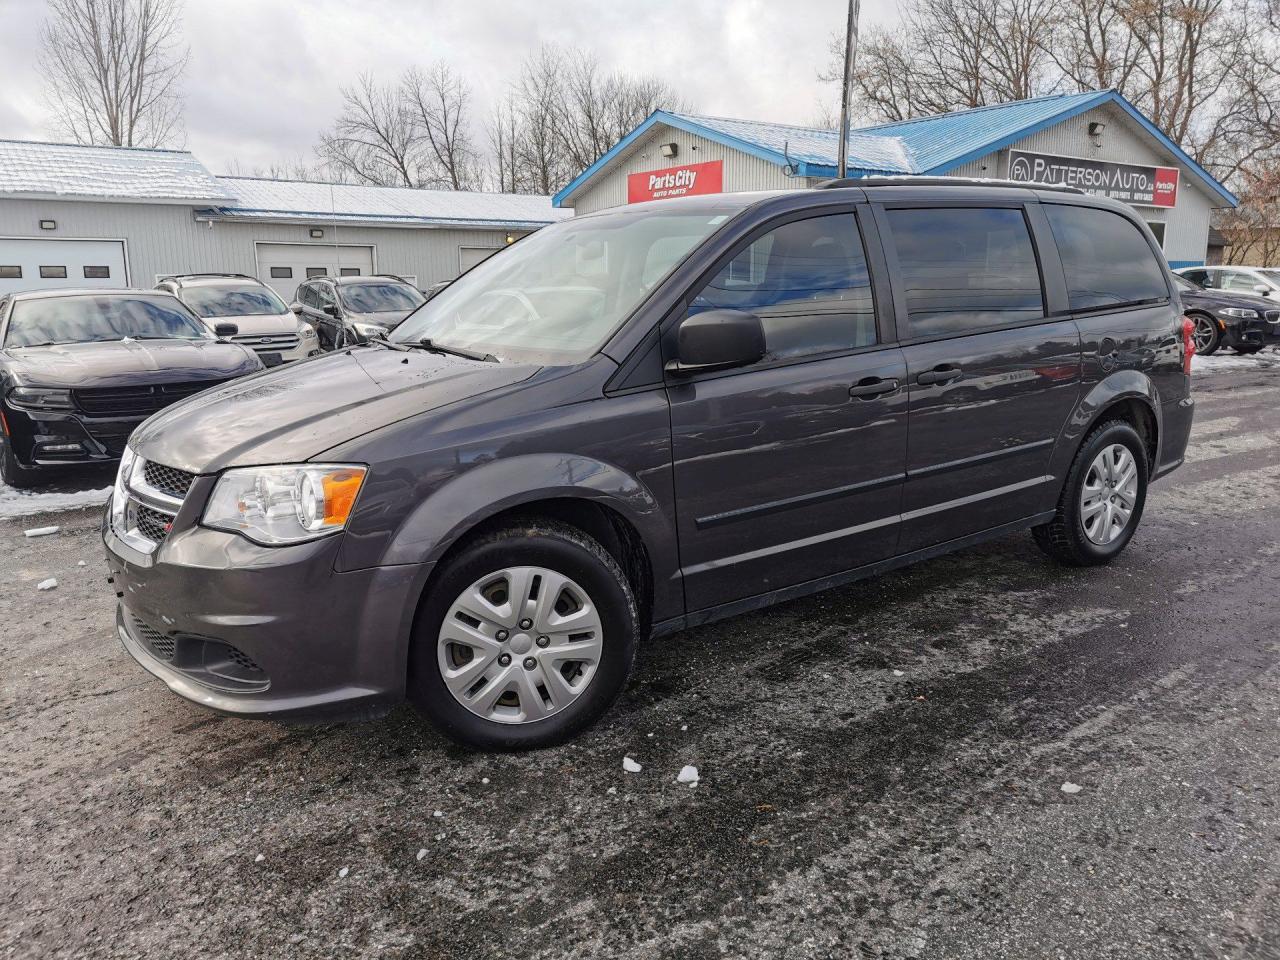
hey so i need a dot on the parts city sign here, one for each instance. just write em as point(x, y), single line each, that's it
point(1144, 186)
point(684, 181)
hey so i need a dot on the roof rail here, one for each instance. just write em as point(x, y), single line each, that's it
point(208, 276)
point(940, 182)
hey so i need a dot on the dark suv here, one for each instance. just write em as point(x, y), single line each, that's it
point(347, 311)
point(643, 419)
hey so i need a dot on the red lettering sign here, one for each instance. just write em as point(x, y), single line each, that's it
point(1166, 192)
point(685, 181)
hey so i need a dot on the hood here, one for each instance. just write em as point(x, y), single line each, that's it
point(388, 321)
point(294, 413)
point(1230, 298)
point(128, 363)
point(263, 324)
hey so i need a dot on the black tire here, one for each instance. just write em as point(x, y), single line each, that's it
point(13, 473)
point(1207, 335)
point(1248, 349)
point(558, 547)
point(1063, 538)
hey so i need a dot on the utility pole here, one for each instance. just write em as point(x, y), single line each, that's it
point(850, 60)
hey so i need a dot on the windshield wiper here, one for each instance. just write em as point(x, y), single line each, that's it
point(426, 343)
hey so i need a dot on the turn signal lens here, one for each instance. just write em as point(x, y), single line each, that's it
point(340, 489)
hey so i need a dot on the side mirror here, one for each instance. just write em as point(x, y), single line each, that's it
point(296, 307)
point(330, 310)
point(1262, 290)
point(225, 331)
point(717, 340)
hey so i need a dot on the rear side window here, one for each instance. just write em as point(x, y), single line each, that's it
point(1107, 260)
point(807, 281)
point(965, 269)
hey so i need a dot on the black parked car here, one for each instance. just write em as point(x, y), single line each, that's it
point(80, 369)
point(1226, 318)
point(644, 419)
point(354, 310)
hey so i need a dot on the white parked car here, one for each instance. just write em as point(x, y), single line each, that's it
point(266, 324)
point(1260, 281)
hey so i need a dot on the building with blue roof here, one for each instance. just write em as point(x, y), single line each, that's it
point(1095, 140)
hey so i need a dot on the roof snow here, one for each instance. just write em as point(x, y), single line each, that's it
point(260, 199)
point(105, 173)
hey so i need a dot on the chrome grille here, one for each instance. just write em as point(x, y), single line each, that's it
point(1273, 316)
point(168, 480)
point(268, 343)
point(151, 523)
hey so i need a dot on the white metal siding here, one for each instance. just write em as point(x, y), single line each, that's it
point(298, 258)
point(72, 257)
point(742, 171)
point(1187, 230)
point(163, 238)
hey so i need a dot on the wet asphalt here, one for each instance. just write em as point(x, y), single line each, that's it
point(881, 771)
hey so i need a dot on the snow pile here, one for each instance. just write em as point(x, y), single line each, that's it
point(1225, 360)
point(25, 503)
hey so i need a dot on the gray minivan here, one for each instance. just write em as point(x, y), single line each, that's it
point(641, 420)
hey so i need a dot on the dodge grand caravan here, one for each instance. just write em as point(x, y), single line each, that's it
point(644, 419)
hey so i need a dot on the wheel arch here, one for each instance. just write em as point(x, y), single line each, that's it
point(1127, 395)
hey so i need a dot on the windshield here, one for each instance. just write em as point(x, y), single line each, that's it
point(558, 294)
point(97, 319)
point(244, 300)
point(1272, 274)
point(384, 297)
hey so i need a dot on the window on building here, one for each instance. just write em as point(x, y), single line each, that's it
point(349, 272)
point(966, 269)
point(807, 281)
point(1106, 258)
point(10, 273)
point(317, 272)
point(97, 273)
point(282, 273)
point(53, 273)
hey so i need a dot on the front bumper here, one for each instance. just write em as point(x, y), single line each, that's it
point(266, 632)
point(1252, 333)
point(41, 438)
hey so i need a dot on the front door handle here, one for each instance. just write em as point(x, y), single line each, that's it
point(943, 373)
point(869, 387)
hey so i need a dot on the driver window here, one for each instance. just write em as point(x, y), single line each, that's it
point(807, 281)
point(1232, 280)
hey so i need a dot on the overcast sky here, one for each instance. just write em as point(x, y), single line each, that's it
point(264, 75)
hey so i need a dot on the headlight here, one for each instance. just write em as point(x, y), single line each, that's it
point(1239, 313)
point(306, 331)
point(40, 398)
point(370, 330)
point(286, 504)
point(119, 495)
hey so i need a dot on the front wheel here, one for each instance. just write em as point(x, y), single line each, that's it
point(526, 639)
point(1102, 500)
point(1206, 335)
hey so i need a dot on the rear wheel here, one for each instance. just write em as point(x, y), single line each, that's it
point(1102, 500)
point(1207, 336)
point(13, 473)
point(526, 639)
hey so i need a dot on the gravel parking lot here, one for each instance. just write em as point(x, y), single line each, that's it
point(885, 769)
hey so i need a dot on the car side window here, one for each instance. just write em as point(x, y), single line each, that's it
point(965, 269)
point(808, 283)
point(324, 295)
point(1196, 276)
point(1235, 280)
point(1107, 260)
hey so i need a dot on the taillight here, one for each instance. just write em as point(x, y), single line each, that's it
point(1188, 343)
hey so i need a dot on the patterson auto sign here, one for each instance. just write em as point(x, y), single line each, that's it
point(686, 181)
point(1145, 186)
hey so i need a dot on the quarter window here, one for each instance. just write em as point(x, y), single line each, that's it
point(53, 273)
point(965, 269)
point(807, 281)
point(1107, 260)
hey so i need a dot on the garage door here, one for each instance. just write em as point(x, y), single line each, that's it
point(468, 257)
point(38, 264)
point(283, 266)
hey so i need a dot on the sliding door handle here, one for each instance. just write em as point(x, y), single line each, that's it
point(943, 373)
point(869, 387)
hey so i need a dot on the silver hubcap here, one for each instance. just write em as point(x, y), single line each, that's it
point(1203, 335)
point(520, 644)
point(1110, 494)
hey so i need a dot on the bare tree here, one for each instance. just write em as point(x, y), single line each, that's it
point(375, 137)
point(114, 69)
point(504, 134)
point(439, 102)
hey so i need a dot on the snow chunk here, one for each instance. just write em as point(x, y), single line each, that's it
point(612, 790)
point(484, 780)
point(422, 853)
point(47, 584)
point(688, 775)
point(343, 872)
point(438, 813)
point(259, 858)
point(899, 673)
point(81, 564)
point(1070, 787)
point(630, 765)
point(40, 531)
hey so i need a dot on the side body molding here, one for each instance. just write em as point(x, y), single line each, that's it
point(484, 491)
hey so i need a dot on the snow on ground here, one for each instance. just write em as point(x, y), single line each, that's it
point(1226, 359)
point(25, 503)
